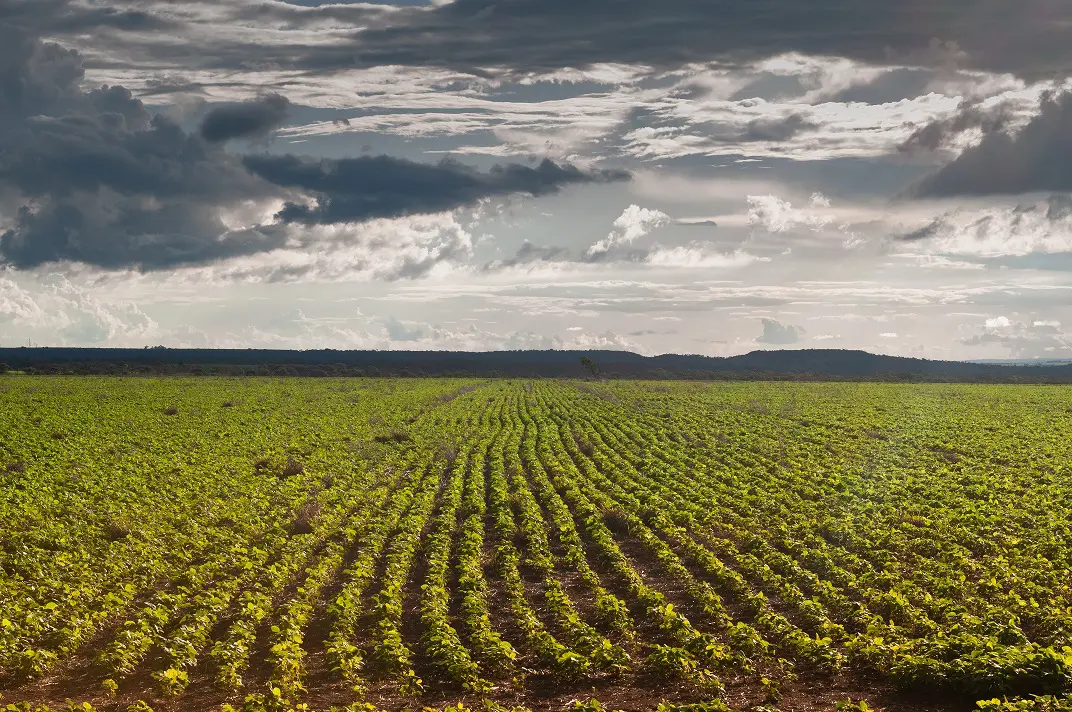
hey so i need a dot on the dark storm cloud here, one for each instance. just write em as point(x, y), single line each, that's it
point(76, 20)
point(110, 196)
point(115, 193)
point(298, 15)
point(248, 119)
point(61, 17)
point(1030, 37)
point(1038, 158)
point(91, 175)
point(353, 189)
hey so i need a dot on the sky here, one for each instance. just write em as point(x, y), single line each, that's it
point(689, 176)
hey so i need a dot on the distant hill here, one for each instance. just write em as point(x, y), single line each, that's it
point(1025, 361)
point(812, 364)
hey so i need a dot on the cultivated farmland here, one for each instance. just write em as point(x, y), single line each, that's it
point(363, 544)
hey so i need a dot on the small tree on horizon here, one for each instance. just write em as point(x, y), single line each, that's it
point(590, 366)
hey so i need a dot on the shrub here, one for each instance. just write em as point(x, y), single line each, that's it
point(306, 515)
point(293, 468)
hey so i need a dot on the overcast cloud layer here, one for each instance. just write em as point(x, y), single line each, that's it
point(701, 176)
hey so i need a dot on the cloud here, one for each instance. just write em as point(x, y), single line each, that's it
point(387, 249)
point(679, 124)
point(940, 133)
point(885, 87)
point(773, 214)
point(1034, 339)
point(557, 113)
point(488, 37)
point(1002, 231)
point(61, 17)
point(778, 334)
point(1038, 158)
point(92, 176)
point(430, 337)
point(355, 189)
point(1031, 37)
point(777, 128)
point(697, 256)
point(397, 331)
point(546, 114)
point(529, 255)
point(634, 222)
point(249, 119)
point(999, 322)
point(17, 305)
point(694, 255)
point(940, 262)
point(57, 311)
point(295, 330)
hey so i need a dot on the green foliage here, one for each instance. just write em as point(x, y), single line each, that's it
point(465, 538)
point(850, 706)
point(1036, 703)
point(707, 706)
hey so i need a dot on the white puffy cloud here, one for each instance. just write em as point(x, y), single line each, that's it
point(634, 222)
point(56, 311)
point(17, 305)
point(773, 214)
point(998, 322)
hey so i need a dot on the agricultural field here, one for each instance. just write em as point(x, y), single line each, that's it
point(363, 544)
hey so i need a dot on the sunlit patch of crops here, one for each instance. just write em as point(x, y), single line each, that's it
point(367, 544)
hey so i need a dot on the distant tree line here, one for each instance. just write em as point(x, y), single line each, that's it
point(803, 365)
